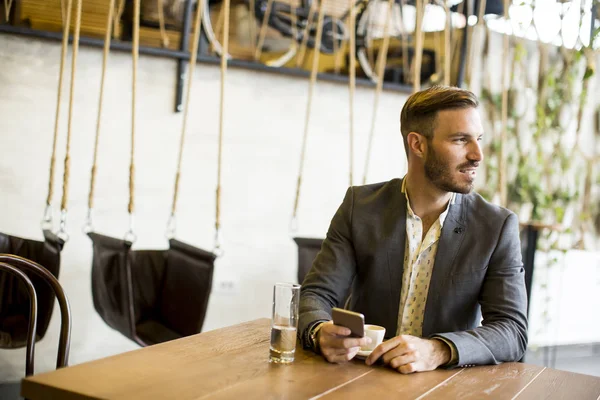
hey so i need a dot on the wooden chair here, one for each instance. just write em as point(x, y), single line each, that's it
point(23, 269)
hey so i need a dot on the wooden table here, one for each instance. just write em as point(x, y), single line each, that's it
point(233, 363)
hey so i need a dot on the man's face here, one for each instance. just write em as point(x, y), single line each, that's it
point(454, 153)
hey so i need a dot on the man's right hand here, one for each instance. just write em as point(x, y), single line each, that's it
point(335, 344)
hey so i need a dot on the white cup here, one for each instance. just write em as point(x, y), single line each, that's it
point(376, 333)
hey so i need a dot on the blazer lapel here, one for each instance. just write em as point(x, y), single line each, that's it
point(397, 217)
point(453, 233)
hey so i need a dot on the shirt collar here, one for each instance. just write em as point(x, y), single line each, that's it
point(443, 215)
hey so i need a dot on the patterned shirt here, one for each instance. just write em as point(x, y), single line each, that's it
point(419, 257)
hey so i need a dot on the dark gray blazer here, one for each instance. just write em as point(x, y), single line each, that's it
point(478, 271)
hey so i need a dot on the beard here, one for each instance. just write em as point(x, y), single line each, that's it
point(441, 174)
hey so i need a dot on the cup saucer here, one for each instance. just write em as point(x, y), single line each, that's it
point(363, 354)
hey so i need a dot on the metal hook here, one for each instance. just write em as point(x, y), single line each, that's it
point(171, 226)
point(47, 218)
point(89, 226)
point(62, 232)
point(294, 225)
point(130, 236)
point(218, 250)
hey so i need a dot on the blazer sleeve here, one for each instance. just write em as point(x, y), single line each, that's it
point(503, 299)
point(330, 277)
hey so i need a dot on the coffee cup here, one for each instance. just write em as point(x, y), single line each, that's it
point(376, 333)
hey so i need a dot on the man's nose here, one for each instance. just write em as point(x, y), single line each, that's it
point(475, 152)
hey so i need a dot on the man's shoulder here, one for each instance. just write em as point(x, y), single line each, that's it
point(379, 189)
point(482, 209)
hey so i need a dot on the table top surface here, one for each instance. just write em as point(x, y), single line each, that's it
point(234, 362)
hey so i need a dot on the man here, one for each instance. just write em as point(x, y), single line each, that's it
point(423, 256)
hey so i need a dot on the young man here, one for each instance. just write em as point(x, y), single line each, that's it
point(423, 256)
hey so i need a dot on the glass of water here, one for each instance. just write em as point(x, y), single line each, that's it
point(286, 299)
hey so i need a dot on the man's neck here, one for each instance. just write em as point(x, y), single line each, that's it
point(426, 200)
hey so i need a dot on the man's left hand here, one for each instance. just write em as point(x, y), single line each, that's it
point(408, 354)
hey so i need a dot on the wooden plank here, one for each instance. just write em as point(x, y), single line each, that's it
point(554, 384)
point(184, 369)
point(152, 37)
point(308, 376)
point(385, 382)
point(47, 15)
point(502, 381)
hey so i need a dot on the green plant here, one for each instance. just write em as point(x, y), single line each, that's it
point(549, 175)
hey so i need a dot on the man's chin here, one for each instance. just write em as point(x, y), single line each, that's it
point(465, 190)
point(454, 188)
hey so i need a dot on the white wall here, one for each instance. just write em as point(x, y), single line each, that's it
point(263, 131)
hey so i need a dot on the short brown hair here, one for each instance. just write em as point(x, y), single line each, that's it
point(420, 111)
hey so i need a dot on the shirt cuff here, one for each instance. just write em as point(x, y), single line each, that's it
point(453, 352)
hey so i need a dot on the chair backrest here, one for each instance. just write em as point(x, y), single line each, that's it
point(308, 248)
point(24, 264)
point(14, 299)
point(29, 357)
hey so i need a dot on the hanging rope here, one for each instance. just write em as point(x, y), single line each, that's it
point(381, 62)
point(252, 24)
point(117, 20)
point(219, 25)
point(263, 30)
point(305, 35)
point(437, 38)
point(454, 38)
point(371, 15)
point(404, 36)
point(447, 44)
point(47, 221)
point(472, 45)
point(107, 35)
point(135, 48)
point(418, 47)
point(337, 58)
point(191, 67)
point(63, 12)
point(311, 85)
point(352, 84)
point(7, 7)
point(294, 19)
point(161, 24)
point(218, 250)
point(504, 135)
point(67, 162)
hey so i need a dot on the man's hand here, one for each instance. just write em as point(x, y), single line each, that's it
point(408, 354)
point(335, 344)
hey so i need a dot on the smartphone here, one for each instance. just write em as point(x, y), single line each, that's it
point(351, 320)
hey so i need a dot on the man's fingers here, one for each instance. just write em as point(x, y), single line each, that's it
point(347, 343)
point(335, 344)
point(384, 348)
point(401, 350)
point(408, 368)
point(331, 329)
point(340, 342)
point(402, 360)
point(340, 355)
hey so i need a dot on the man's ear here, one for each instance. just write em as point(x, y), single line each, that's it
point(417, 144)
